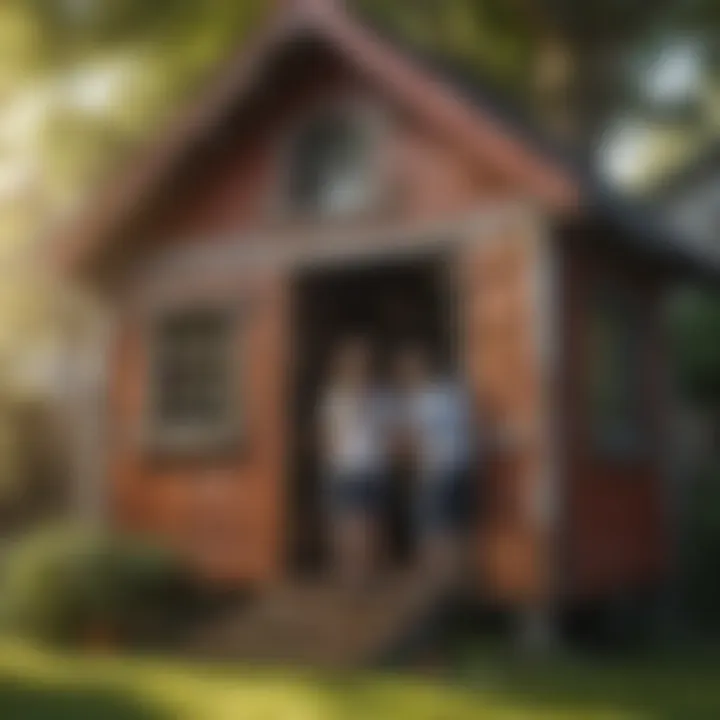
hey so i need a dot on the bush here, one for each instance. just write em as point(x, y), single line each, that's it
point(70, 585)
point(702, 553)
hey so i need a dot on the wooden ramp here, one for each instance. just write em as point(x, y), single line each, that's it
point(320, 625)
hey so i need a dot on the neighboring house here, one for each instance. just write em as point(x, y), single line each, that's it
point(327, 174)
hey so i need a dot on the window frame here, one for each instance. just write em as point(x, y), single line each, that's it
point(164, 438)
point(372, 122)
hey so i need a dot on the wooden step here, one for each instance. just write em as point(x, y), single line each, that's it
point(320, 624)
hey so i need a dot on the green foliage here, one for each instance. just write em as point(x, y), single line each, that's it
point(696, 340)
point(490, 37)
point(65, 585)
point(696, 330)
point(702, 552)
point(68, 30)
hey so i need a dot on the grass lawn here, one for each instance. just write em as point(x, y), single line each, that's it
point(37, 684)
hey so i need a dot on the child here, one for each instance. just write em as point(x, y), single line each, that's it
point(439, 419)
point(353, 460)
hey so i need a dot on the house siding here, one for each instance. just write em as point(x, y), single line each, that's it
point(616, 534)
point(227, 513)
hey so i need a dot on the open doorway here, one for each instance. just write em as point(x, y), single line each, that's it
point(392, 303)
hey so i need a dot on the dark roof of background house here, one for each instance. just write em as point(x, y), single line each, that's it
point(702, 168)
point(636, 224)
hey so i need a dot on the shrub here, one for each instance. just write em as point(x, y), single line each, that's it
point(702, 552)
point(73, 585)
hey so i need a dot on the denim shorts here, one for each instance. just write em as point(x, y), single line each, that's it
point(355, 492)
point(445, 503)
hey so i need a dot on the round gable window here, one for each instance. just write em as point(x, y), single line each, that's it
point(330, 166)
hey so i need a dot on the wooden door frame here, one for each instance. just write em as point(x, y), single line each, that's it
point(442, 256)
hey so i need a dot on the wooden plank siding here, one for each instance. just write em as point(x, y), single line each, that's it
point(223, 512)
point(504, 309)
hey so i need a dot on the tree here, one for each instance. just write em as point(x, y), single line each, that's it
point(576, 63)
point(696, 323)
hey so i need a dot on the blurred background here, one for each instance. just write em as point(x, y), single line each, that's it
point(630, 87)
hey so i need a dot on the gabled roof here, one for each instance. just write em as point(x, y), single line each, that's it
point(329, 22)
point(445, 95)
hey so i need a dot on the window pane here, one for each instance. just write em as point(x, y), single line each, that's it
point(193, 370)
point(328, 172)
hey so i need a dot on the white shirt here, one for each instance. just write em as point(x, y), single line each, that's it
point(440, 417)
point(354, 431)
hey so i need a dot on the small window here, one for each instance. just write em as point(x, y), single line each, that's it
point(330, 167)
point(616, 374)
point(192, 378)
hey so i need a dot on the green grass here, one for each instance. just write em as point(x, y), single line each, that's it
point(38, 684)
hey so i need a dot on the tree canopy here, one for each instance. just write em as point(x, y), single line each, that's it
point(82, 82)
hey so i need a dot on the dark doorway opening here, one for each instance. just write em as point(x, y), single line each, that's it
point(392, 303)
